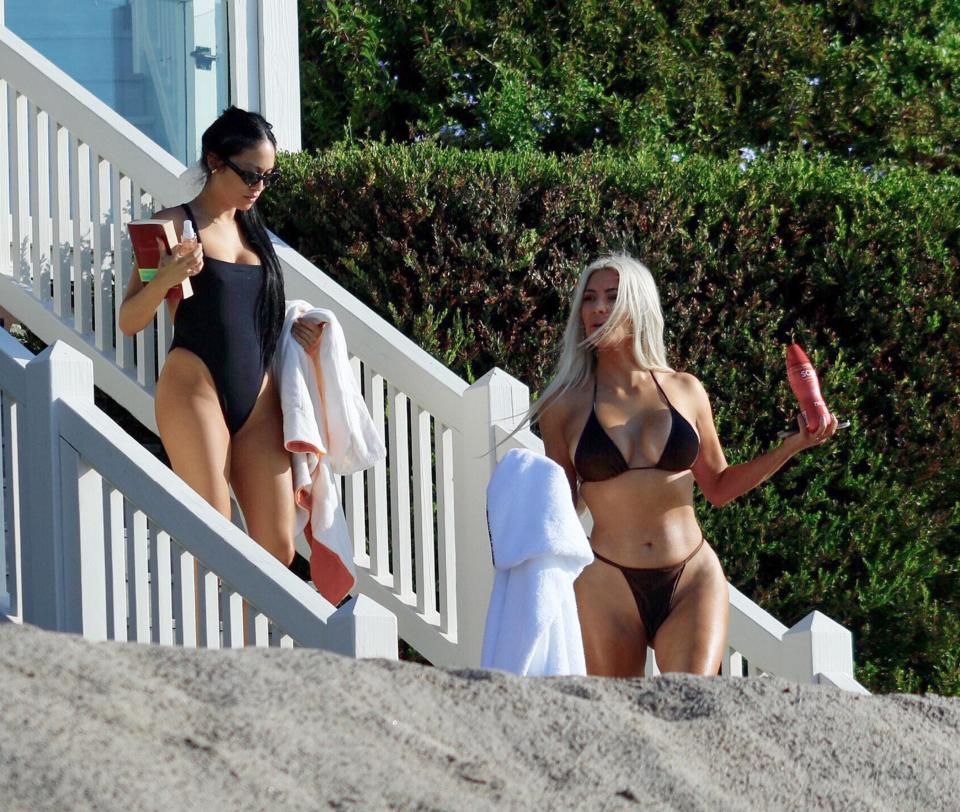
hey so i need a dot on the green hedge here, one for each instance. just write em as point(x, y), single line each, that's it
point(705, 76)
point(474, 254)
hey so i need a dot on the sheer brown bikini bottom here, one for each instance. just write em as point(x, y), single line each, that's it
point(652, 588)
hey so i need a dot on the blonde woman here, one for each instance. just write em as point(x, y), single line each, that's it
point(633, 436)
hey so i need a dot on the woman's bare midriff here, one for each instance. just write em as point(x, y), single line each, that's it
point(643, 519)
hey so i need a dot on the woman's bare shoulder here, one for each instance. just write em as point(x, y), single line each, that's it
point(564, 407)
point(687, 389)
point(175, 213)
point(685, 382)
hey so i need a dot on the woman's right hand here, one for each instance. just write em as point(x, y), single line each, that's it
point(174, 268)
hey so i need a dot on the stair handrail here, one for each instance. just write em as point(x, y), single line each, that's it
point(71, 542)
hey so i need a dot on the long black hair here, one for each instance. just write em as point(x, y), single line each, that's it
point(233, 132)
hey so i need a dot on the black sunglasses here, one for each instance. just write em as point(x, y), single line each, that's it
point(252, 178)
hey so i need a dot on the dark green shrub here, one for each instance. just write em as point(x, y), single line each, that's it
point(474, 254)
point(705, 76)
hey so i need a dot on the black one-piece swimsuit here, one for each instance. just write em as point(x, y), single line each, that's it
point(218, 324)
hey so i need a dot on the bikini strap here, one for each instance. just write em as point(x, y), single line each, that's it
point(606, 560)
point(192, 219)
point(660, 390)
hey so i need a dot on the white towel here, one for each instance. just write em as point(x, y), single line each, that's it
point(539, 549)
point(327, 429)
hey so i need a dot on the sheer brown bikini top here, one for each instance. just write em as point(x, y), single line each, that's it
point(597, 456)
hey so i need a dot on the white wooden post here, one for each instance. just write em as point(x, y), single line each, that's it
point(58, 372)
point(816, 645)
point(244, 53)
point(280, 70)
point(496, 398)
point(14, 358)
point(362, 628)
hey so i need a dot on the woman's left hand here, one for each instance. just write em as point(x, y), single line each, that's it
point(307, 335)
point(819, 434)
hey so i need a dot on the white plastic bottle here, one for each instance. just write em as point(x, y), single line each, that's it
point(188, 241)
point(188, 244)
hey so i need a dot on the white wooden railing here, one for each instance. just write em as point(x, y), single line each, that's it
point(103, 540)
point(417, 520)
point(420, 543)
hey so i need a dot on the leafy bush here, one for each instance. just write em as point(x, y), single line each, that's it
point(704, 76)
point(474, 255)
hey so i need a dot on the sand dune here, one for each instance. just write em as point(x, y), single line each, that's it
point(122, 726)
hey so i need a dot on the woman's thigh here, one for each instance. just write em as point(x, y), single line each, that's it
point(693, 637)
point(261, 477)
point(192, 429)
point(614, 640)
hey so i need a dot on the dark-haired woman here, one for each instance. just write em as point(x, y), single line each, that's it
point(216, 403)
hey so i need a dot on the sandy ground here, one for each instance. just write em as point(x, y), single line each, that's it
point(121, 726)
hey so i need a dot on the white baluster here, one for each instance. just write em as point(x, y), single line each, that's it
point(59, 212)
point(81, 312)
point(732, 665)
point(120, 203)
point(83, 257)
point(258, 626)
point(400, 509)
point(39, 151)
point(354, 502)
point(161, 592)
point(231, 610)
point(116, 554)
point(102, 277)
point(446, 522)
point(184, 597)
point(209, 602)
point(650, 667)
point(19, 193)
point(378, 517)
point(423, 514)
point(138, 574)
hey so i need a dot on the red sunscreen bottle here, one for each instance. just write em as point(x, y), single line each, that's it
point(806, 387)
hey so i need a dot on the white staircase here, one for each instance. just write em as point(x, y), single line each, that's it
point(78, 172)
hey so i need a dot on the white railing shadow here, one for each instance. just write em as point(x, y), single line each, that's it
point(110, 544)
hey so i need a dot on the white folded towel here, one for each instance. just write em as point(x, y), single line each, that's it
point(539, 549)
point(328, 430)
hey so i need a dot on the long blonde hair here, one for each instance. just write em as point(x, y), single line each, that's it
point(637, 305)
